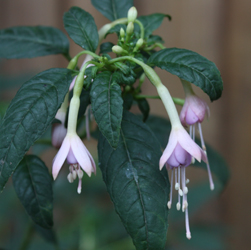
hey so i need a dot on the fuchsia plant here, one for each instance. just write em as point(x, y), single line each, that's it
point(130, 156)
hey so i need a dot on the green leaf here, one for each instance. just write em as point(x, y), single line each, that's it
point(127, 100)
point(28, 42)
point(113, 9)
point(191, 67)
point(30, 113)
point(81, 27)
point(116, 29)
point(33, 185)
point(151, 22)
point(137, 188)
point(144, 108)
point(162, 128)
point(107, 106)
point(154, 39)
point(106, 47)
point(48, 234)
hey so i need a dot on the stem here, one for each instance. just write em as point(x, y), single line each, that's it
point(162, 90)
point(142, 29)
point(178, 101)
point(160, 45)
point(27, 237)
point(147, 96)
point(187, 87)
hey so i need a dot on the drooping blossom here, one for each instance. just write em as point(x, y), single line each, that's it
point(193, 113)
point(178, 155)
point(78, 157)
point(59, 130)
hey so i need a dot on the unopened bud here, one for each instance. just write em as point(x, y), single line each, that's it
point(73, 63)
point(122, 33)
point(138, 44)
point(132, 14)
point(130, 28)
point(117, 49)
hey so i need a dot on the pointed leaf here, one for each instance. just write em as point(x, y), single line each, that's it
point(137, 188)
point(106, 47)
point(113, 9)
point(144, 108)
point(107, 106)
point(81, 28)
point(151, 22)
point(28, 42)
point(33, 185)
point(191, 67)
point(30, 113)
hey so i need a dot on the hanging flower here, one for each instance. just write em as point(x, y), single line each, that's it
point(178, 155)
point(78, 157)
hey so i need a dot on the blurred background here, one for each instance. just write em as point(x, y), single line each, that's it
point(216, 29)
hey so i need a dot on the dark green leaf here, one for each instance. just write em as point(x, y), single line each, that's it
point(154, 39)
point(106, 47)
point(162, 128)
point(30, 113)
point(151, 22)
point(144, 108)
point(128, 100)
point(113, 9)
point(28, 42)
point(137, 188)
point(107, 106)
point(191, 67)
point(116, 29)
point(48, 234)
point(33, 185)
point(81, 27)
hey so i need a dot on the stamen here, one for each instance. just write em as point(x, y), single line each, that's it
point(178, 206)
point(188, 233)
point(208, 166)
point(180, 192)
point(74, 174)
point(183, 180)
point(177, 186)
point(169, 203)
point(79, 186)
point(70, 177)
point(187, 181)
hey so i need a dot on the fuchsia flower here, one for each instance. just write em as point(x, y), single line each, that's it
point(59, 131)
point(77, 155)
point(193, 110)
point(178, 155)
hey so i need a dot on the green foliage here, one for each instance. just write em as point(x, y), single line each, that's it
point(107, 106)
point(30, 113)
point(33, 185)
point(151, 22)
point(81, 27)
point(116, 29)
point(106, 47)
point(144, 108)
point(113, 9)
point(137, 188)
point(191, 67)
point(28, 42)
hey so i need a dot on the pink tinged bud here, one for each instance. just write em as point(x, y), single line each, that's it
point(59, 131)
point(194, 110)
point(76, 153)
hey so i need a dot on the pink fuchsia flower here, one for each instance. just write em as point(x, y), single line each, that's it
point(78, 157)
point(59, 130)
point(193, 110)
point(178, 155)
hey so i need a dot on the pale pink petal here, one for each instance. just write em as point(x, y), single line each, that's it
point(80, 152)
point(191, 117)
point(172, 142)
point(172, 160)
point(71, 159)
point(188, 144)
point(60, 157)
point(92, 162)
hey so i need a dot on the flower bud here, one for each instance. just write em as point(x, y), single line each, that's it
point(117, 50)
point(132, 14)
point(138, 44)
point(130, 28)
point(122, 33)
